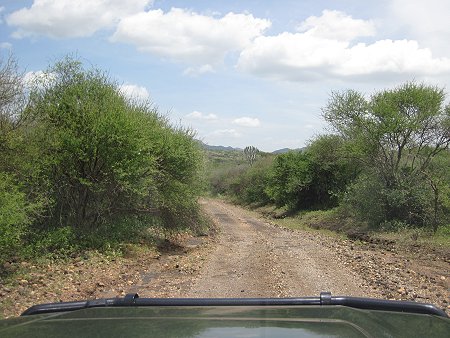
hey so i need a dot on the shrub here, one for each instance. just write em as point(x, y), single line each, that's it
point(91, 149)
point(14, 217)
point(52, 242)
point(255, 181)
point(102, 155)
point(404, 205)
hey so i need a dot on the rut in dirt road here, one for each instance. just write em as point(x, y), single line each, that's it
point(257, 259)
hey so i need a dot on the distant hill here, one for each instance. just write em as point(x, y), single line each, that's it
point(222, 148)
point(286, 150)
point(281, 151)
point(228, 148)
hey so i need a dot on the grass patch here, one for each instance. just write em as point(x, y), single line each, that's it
point(410, 237)
point(442, 236)
point(324, 221)
point(336, 223)
point(329, 222)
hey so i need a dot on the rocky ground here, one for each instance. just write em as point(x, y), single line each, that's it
point(247, 257)
point(397, 273)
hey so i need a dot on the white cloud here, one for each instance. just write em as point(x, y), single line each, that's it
point(135, 92)
point(427, 21)
point(247, 122)
point(201, 116)
point(5, 45)
point(324, 50)
point(195, 71)
point(226, 132)
point(71, 18)
point(336, 25)
point(185, 36)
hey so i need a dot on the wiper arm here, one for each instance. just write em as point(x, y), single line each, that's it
point(325, 298)
point(128, 300)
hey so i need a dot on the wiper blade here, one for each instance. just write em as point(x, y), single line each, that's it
point(128, 300)
point(325, 298)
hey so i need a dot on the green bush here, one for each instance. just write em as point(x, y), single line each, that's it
point(398, 137)
point(53, 242)
point(364, 200)
point(225, 180)
point(102, 155)
point(96, 168)
point(178, 183)
point(112, 235)
point(406, 205)
point(14, 217)
point(255, 181)
point(92, 151)
point(290, 179)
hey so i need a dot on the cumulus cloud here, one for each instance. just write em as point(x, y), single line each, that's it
point(247, 122)
point(336, 25)
point(324, 49)
point(71, 18)
point(432, 29)
point(184, 36)
point(135, 92)
point(201, 116)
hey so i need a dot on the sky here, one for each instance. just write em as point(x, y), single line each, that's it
point(238, 72)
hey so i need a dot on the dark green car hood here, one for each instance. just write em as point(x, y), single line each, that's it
point(230, 321)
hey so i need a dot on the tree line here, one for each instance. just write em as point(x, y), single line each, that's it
point(84, 166)
point(384, 163)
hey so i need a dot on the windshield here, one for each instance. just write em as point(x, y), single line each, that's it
point(238, 149)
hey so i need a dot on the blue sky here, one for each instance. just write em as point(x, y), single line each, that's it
point(238, 72)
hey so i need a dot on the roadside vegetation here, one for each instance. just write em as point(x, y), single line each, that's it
point(84, 167)
point(383, 168)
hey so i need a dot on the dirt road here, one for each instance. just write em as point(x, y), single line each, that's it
point(250, 257)
point(247, 257)
point(255, 259)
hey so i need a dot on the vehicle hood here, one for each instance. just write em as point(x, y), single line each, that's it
point(230, 321)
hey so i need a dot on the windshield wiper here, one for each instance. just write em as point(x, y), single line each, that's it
point(325, 298)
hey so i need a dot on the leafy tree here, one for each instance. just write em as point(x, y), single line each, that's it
point(332, 169)
point(314, 178)
point(395, 135)
point(290, 180)
point(93, 157)
point(103, 155)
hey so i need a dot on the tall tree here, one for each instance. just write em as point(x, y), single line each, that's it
point(399, 129)
point(396, 134)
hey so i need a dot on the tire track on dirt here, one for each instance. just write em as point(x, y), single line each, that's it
point(256, 259)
